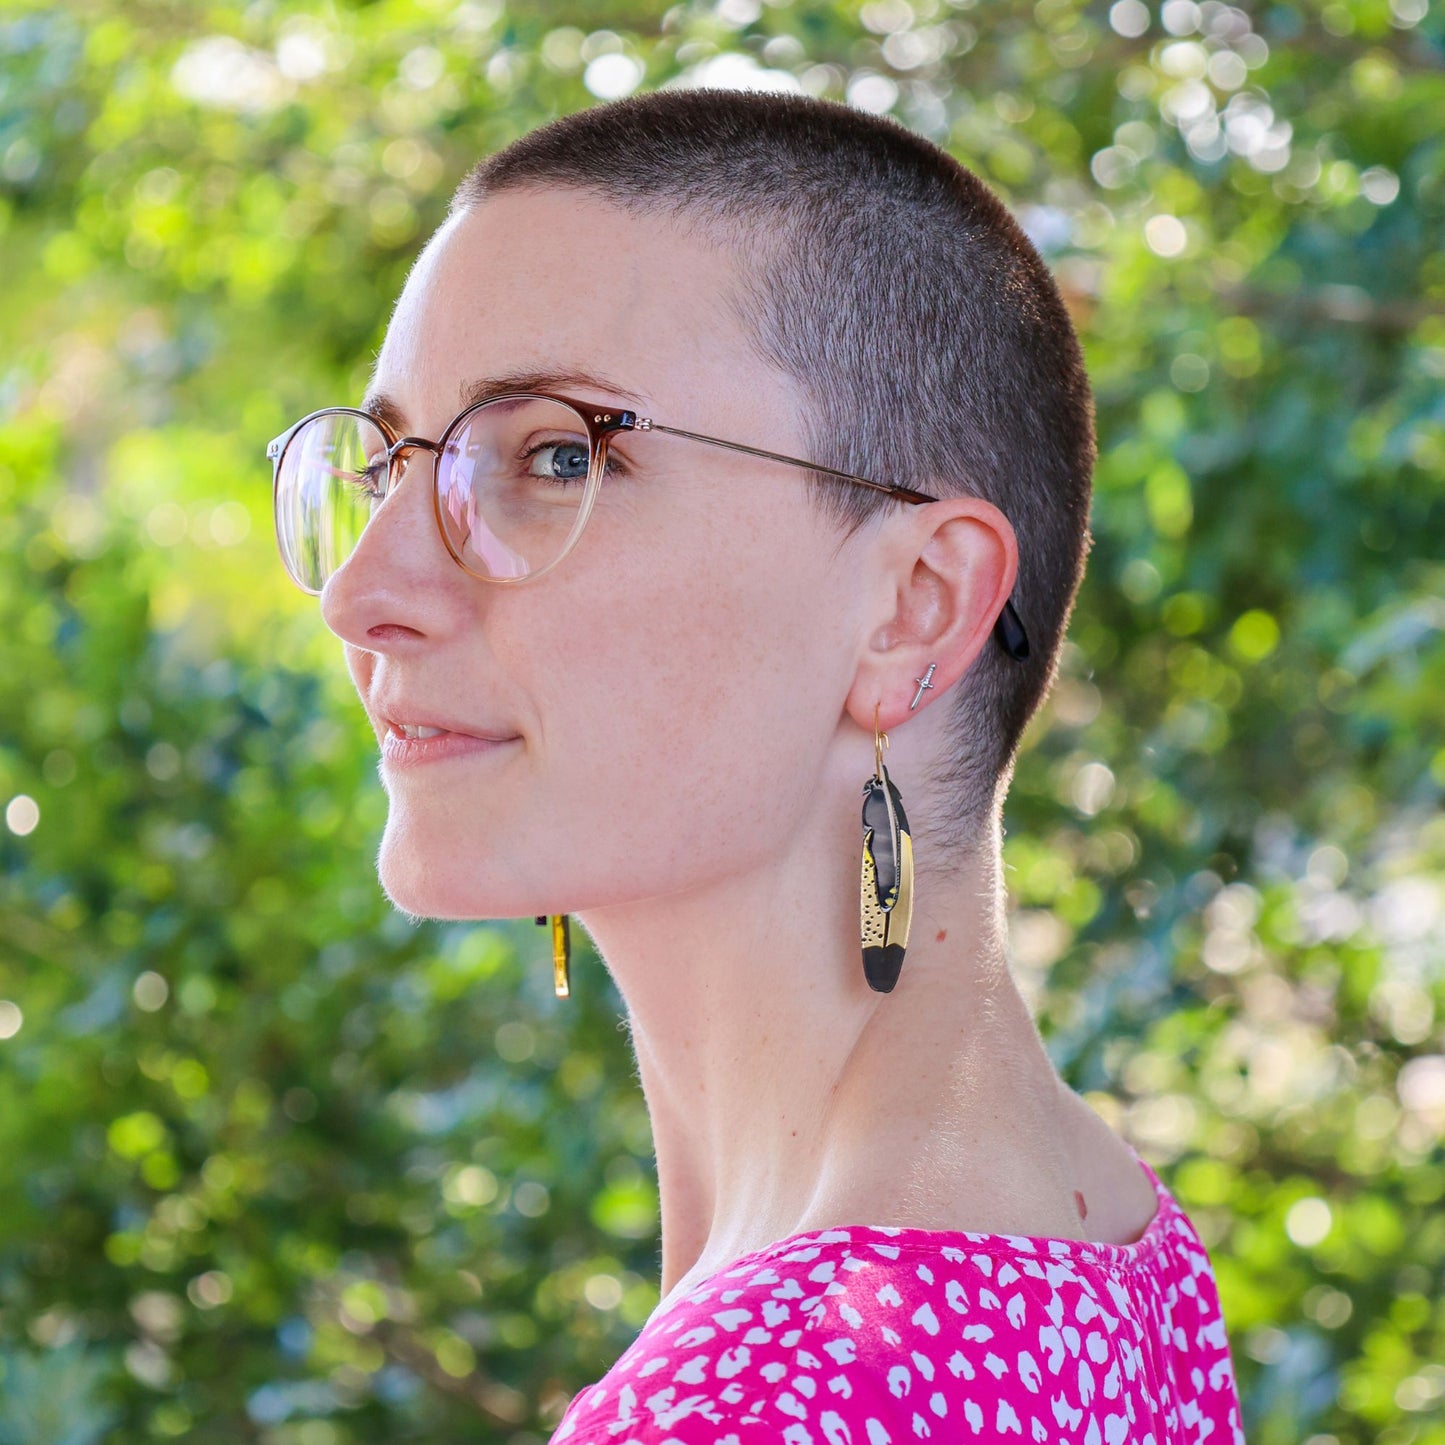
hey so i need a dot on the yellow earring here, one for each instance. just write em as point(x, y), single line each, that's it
point(886, 886)
point(561, 953)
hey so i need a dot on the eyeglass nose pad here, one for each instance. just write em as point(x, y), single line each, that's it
point(411, 444)
point(396, 455)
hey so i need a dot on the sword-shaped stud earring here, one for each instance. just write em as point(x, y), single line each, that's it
point(924, 685)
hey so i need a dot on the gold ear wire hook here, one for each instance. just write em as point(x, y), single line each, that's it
point(880, 741)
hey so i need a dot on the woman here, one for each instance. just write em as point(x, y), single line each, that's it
point(702, 548)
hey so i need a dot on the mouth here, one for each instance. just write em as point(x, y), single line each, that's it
point(420, 732)
point(407, 743)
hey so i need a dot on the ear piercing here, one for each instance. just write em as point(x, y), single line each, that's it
point(924, 685)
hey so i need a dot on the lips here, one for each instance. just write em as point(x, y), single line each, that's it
point(411, 745)
point(416, 724)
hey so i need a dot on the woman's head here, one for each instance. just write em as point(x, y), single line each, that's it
point(787, 275)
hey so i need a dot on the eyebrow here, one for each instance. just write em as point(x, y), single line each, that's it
point(565, 380)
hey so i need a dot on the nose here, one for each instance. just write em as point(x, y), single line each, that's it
point(399, 586)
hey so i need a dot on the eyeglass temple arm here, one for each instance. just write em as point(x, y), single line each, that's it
point(1008, 629)
point(906, 493)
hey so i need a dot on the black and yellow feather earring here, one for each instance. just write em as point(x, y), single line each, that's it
point(561, 952)
point(887, 883)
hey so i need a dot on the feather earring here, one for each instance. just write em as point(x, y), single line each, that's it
point(886, 886)
point(561, 952)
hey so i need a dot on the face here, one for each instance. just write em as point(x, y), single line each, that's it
point(667, 694)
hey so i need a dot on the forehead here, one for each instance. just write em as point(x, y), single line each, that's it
point(559, 283)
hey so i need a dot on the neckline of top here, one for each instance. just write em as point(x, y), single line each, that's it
point(1085, 1251)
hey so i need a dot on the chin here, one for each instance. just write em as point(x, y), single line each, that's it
point(414, 883)
point(427, 872)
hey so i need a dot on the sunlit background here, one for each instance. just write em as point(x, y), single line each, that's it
point(281, 1167)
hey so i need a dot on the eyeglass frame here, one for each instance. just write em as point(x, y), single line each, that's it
point(601, 425)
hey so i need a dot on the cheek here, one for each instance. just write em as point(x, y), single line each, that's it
point(683, 690)
point(708, 638)
point(361, 665)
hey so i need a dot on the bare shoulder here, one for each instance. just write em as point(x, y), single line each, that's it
point(1053, 1170)
point(1118, 1198)
point(1079, 1182)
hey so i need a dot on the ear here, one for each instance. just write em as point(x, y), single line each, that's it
point(947, 568)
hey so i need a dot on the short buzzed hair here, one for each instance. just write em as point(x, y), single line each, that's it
point(929, 341)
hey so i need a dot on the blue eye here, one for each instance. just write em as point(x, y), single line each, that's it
point(564, 461)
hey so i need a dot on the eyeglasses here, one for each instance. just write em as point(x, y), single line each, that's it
point(515, 480)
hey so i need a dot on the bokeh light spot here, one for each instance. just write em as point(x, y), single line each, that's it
point(1129, 18)
point(150, 991)
point(1308, 1222)
point(1165, 235)
point(1254, 636)
point(22, 815)
point(610, 77)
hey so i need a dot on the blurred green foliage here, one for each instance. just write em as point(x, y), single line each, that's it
point(283, 1167)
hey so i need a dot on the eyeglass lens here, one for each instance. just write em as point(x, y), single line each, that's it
point(510, 486)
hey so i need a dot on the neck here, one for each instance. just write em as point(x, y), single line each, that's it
point(784, 1093)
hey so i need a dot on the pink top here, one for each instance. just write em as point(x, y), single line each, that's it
point(866, 1335)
